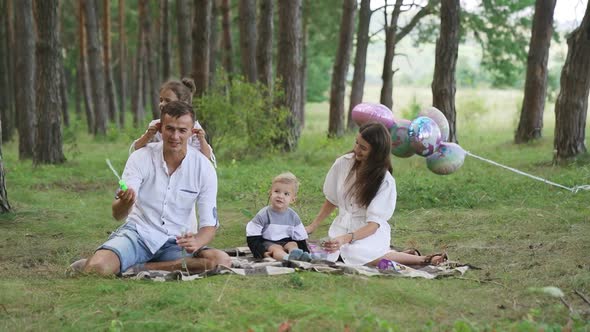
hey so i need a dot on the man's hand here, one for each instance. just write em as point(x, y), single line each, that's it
point(123, 203)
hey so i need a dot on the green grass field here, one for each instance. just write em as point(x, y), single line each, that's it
point(523, 234)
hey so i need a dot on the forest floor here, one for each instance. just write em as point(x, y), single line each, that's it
point(523, 234)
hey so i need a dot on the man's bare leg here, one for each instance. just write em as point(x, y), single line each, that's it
point(103, 262)
point(206, 260)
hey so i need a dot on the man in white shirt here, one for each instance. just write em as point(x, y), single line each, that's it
point(164, 180)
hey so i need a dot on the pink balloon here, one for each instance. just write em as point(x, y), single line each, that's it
point(424, 136)
point(366, 112)
point(400, 141)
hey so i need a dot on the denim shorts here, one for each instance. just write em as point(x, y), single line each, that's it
point(128, 245)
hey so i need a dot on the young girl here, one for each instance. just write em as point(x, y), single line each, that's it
point(171, 91)
point(361, 186)
point(276, 231)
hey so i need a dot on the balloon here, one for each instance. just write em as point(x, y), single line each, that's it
point(446, 159)
point(400, 141)
point(365, 112)
point(424, 136)
point(440, 119)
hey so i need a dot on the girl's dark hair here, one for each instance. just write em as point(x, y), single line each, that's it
point(370, 174)
point(183, 90)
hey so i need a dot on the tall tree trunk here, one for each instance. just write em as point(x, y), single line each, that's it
point(201, 30)
point(122, 64)
point(305, 8)
point(25, 85)
point(78, 93)
point(264, 46)
point(185, 45)
point(106, 43)
point(226, 38)
point(247, 18)
point(213, 41)
point(571, 106)
point(136, 97)
point(63, 79)
point(48, 147)
point(84, 67)
point(289, 67)
point(96, 68)
point(6, 90)
point(165, 40)
point(151, 79)
point(10, 58)
point(386, 97)
point(535, 87)
point(4, 204)
point(360, 60)
point(447, 48)
point(340, 70)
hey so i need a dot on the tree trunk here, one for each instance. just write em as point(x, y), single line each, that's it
point(289, 68)
point(165, 40)
point(4, 204)
point(151, 78)
point(571, 106)
point(106, 43)
point(247, 18)
point(84, 67)
point(213, 41)
point(10, 58)
point(447, 49)
point(535, 87)
point(201, 30)
point(6, 90)
point(183, 15)
point(360, 60)
point(122, 64)
point(96, 68)
point(48, 147)
point(136, 97)
point(386, 97)
point(338, 89)
point(226, 38)
point(264, 46)
point(304, 42)
point(63, 79)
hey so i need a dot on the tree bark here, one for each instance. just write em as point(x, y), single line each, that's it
point(360, 60)
point(6, 110)
point(201, 30)
point(165, 40)
point(571, 106)
point(535, 87)
point(109, 80)
point(48, 147)
point(264, 43)
point(151, 78)
point(96, 68)
point(338, 89)
point(183, 16)
point(122, 64)
point(25, 85)
point(289, 68)
point(226, 38)
point(136, 97)
point(247, 18)
point(386, 97)
point(4, 204)
point(447, 48)
point(213, 41)
point(84, 68)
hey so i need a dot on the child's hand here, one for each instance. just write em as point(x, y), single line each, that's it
point(200, 133)
point(153, 128)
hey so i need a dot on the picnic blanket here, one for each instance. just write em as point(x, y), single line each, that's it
point(243, 263)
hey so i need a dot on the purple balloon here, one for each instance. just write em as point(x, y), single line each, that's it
point(446, 159)
point(400, 141)
point(440, 119)
point(424, 136)
point(366, 112)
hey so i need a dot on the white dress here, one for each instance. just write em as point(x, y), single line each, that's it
point(351, 216)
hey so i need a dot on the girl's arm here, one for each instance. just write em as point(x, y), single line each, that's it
point(325, 211)
point(148, 136)
point(205, 147)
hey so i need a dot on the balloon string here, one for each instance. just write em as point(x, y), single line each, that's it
point(573, 189)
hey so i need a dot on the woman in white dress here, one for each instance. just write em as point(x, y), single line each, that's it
point(361, 186)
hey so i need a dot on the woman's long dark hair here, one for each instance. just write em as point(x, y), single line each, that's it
point(370, 174)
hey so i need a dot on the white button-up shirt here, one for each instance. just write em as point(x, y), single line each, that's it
point(351, 216)
point(164, 202)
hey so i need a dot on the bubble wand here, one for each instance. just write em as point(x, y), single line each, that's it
point(122, 183)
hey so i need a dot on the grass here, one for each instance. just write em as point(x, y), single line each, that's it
point(521, 233)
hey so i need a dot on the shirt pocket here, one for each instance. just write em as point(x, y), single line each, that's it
point(185, 199)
